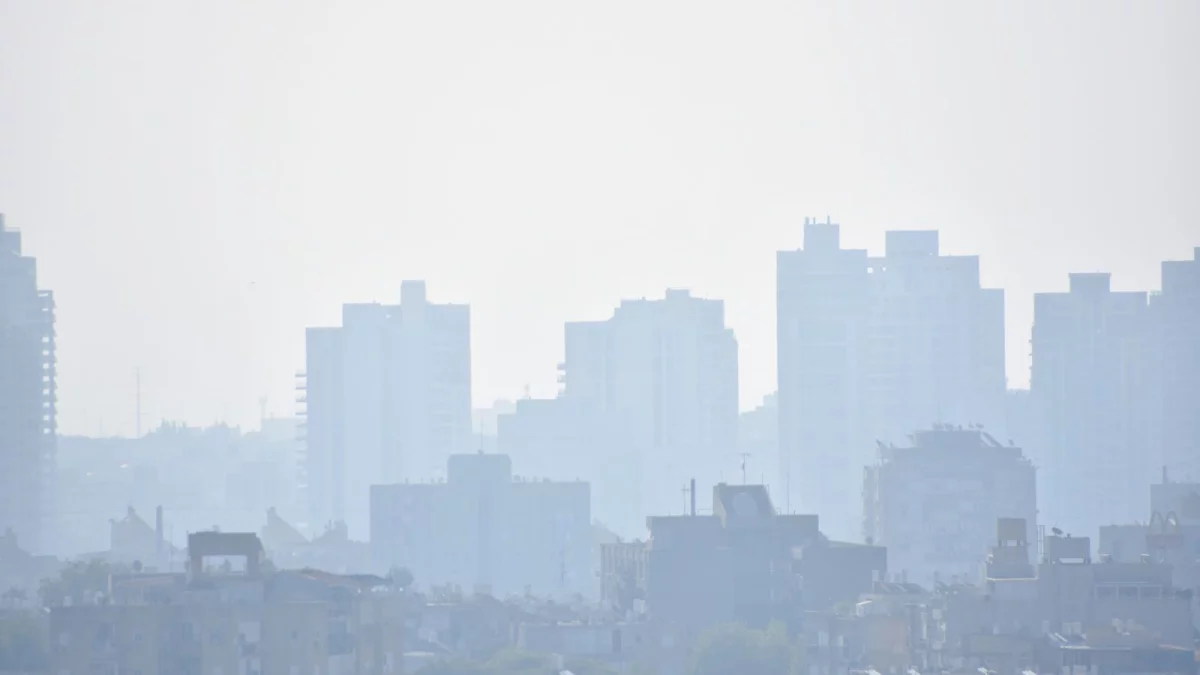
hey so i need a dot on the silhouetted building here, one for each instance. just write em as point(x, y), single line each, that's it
point(935, 503)
point(870, 348)
point(484, 528)
point(388, 398)
point(1092, 388)
point(28, 397)
point(746, 563)
point(669, 369)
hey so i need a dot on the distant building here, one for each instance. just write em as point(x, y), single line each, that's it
point(249, 620)
point(871, 347)
point(485, 529)
point(1005, 621)
point(935, 503)
point(1092, 390)
point(28, 395)
point(746, 563)
point(566, 438)
point(1170, 536)
point(388, 398)
point(1176, 315)
point(669, 368)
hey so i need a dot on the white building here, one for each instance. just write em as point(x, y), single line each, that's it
point(1093, 392)
point(28, 398)
point(388, 397)
point(484, 527)
point(669, 369)
point(935, 504)
point(870, 347)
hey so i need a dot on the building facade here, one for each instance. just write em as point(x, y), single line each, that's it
point(387, 397)
point(1176, 317)
point(1093, 391)
point(871, 347)
point(566, 438)
point(934, 504)
point(28, 424)
point(482, 528)
point(669, 369)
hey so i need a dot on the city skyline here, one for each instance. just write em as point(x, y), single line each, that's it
point(543, 163)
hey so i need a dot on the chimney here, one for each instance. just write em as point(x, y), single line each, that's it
point(158, 530)
point(692, 493)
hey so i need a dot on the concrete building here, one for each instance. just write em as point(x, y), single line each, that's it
point(871, 347)
point(388, 398)
point(28, 397)
point(934, 503)
point(1176, 317)
point(564, 438)
point(250, 621)
point(484, 528)
point(746, 563)
point(1170, 536)
point(669, 369)
point(1092, 390)
point(1002, 623)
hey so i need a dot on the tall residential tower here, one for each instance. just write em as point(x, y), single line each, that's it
point(27, 393)
point(870, 348)
point(388, 397)
point(669, 369)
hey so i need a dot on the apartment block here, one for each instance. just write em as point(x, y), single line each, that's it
point(387, 398)
point(237, 619)
point(870, 348)
point(484, 528)
point(1093, 390)
point(669, 370)
point(933, 503)
point(28, 395)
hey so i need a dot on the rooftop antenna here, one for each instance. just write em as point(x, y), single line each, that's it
point(744, 455)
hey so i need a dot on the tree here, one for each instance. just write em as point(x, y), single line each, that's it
point(736, 649)
point(402, 577)
point(80, 580)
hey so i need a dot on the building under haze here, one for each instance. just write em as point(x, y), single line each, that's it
point(388, 399)
point(565, 439)
point(1092, 388)
point(27, 393)
point(485, 528)
point(934, 504)
point(871, 347)
point(669, 368)
point(1176, 314)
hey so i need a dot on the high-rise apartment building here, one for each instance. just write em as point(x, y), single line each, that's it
point(388, 399)
point(871, 347)
point(668, 368)
point(27, 393)
point(933, 503)
point(1093, 391)
point(1176, 317)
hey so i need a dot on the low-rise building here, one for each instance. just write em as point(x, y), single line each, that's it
point(746, 563)
point(486, 529)
point(932, 504)
point(237, 618)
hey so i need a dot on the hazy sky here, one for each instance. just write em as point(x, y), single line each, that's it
point(200, 181)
